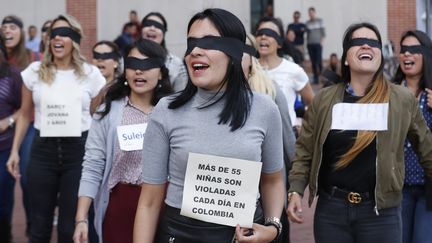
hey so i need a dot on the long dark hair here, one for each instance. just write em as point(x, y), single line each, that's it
point(164, 22)
point(278, 23)
point(238, 94)
point(426, 78)
point(118, 90)
point(377, 92)
point(4, 64)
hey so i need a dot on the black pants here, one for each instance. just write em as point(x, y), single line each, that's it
point(315, 55)
point(175, 228)
point(54, 172)
point(337, 220)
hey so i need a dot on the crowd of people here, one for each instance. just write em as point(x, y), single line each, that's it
point(111, 142)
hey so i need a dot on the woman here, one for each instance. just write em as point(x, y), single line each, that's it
point(112, 178)
point(414, 57)
point(107, 57)
point(216, 103)
point(154, 27)
point(59, 89)
point(14, 32)
point(20, 57)
point(44, 37)
point(351, 155)
point(10, 101)
point(259, 82)
point(290, 77)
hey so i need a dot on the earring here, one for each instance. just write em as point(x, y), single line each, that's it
point(346, 63)
point(125, 83)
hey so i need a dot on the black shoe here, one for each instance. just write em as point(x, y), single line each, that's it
point(5, 231)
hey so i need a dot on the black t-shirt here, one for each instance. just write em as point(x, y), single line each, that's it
point(360, 174)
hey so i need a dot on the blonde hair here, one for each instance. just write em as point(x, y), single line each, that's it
point(378, 93)
point(258, 80)
point(48, 67)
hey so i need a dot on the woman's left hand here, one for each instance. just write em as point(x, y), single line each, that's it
point(429, 97)
point(258, 234)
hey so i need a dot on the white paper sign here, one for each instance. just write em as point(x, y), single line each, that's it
point(61, 110)
point(131, 137)
point(348, 116)
point(221, 190)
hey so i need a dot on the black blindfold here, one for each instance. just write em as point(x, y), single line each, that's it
point(417, 49)
point(66, 32)
point(13, 21)
point(230, 46)
point(270, 33)
point(149, 22)
point(362, 41)
point(143, 64)
point(105, 55)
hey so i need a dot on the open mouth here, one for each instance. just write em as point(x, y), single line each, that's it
point(140, 81)
point(365, 57)
point(408, 63)
point(264, 45)
point(151, 36)
point(8, 38)
point(58, 47)
point(199, 66)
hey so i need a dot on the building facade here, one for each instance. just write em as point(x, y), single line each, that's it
point(103, 19)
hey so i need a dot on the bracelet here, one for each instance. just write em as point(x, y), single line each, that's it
point(81, 221)
point(290, 194)
point(11, 121)
point(273, 221)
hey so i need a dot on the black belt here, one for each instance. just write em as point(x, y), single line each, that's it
point(350, 196)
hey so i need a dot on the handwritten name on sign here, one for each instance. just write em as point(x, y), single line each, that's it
point(221, 190)
point(372, 117)
point(131, 137)
point(61, 111)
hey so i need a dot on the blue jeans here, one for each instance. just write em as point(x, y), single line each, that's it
point(337, 220)
point(7, 183)
point(24, 154)
point(416, 220)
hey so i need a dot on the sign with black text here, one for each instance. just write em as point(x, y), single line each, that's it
point(131, 137)
point(61, 110)
point(221, 190)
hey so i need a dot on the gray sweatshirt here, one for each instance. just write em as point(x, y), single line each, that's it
point(173, 133)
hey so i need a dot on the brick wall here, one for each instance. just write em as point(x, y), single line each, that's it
point(85, 11)
point(401, 16)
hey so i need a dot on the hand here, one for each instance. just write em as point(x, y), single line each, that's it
point(429, 98)
point(13, 165)
point(258, 233)
point(294, 210)
point(4, 125)
point(81, 233)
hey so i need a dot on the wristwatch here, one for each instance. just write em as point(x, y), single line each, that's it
point(276, 223)
point(11, 121)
